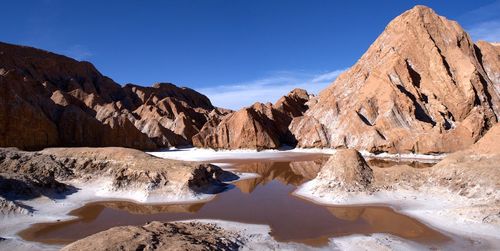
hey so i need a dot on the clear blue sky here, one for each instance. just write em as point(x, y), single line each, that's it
point(234, 51)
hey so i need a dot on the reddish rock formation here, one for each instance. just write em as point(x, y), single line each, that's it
point(169, 115)
point(489, 56)
point(294, 103)
point(246, 128)
point(346, 170)
point(52, 100)
point(260, 126)
point(421, 87)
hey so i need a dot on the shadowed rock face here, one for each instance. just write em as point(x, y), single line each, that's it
point(52, 100)
point(489, 56)
point(422, 86)
point(260, 126)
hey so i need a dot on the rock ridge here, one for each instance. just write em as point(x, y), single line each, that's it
point(259, 126)
point(51, 100)
point(422, 87)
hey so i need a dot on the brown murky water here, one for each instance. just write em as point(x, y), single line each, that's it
point(263, 200)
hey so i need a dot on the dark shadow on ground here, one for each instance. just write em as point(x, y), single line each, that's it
point(24, 188)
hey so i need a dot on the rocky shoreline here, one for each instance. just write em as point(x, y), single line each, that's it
point(432, 195)
point(51, 172)
point(460, 194)
point(46, 185)
point(452, 196)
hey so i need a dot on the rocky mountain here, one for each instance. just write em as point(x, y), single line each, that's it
point(52, 100)
point(423, 86)
point(260, 126)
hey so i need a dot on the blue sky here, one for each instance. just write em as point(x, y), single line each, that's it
point(235, 51)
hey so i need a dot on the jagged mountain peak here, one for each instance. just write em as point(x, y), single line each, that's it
point(422, 76)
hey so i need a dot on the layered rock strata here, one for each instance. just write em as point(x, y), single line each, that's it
point(52, 100)
point(422, 87)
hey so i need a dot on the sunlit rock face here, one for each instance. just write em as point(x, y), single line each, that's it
point(260, 126)
point(52, 100)
point(346, 170)
point(423, 86)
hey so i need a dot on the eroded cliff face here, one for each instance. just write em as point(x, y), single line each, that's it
point(489, 56)
point(52, 100)
point(167, 114)
point(422, 86)
point(260, 126)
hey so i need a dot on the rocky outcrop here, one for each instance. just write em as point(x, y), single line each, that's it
point(167, 114)
point(10, 207)
point(421, 87)
point(345, 171)
point(472, 172)
point(161, 236)
point(246, 128)
point(260, 126)
point(50, 173)
point(130, 168)
point(293, 104)
point(27, 175)
point(469, 176)
point(52, 100)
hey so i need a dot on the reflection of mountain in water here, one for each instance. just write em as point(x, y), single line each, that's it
point(263, 200)
point(297, 172)
point(308, 169)
point(378, 219)
point(379, 162)
point(90, 215)
point(288, 173)
point(154, 208)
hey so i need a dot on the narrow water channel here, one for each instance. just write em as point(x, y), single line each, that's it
point(266, 199)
